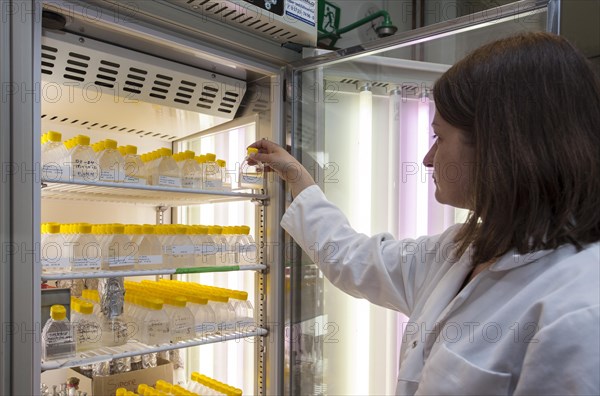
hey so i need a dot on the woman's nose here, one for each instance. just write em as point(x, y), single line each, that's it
point(428, 159)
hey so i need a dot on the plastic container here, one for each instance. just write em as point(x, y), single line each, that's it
point(156, 328)
point(85, 251)
point(54, 156)
point(212, 178)
point(191, 171)
point(82, 161)
point(111, 162)
point(179, 248)
point(57, 335)
point(118, 252)
point(166, 172)
point(251, 176)
point(54, 252)
point(149, 249)
point(88, 327)
point(183, 324)
point(135, 168)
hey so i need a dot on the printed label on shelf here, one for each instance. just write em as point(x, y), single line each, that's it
point(120, 261)
point(177, 250)
point(169, 181)
point(85, 262)
point(144, 259)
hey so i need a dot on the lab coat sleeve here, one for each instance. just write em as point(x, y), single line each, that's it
point(563, 358)
point(387, 272)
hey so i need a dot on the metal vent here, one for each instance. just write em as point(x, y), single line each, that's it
point(89, 124)
point(253, 19)
point(72, 60)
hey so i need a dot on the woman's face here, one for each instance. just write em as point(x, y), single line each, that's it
point(452, 159)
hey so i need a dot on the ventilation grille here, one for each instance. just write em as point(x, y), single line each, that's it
point(245, 16)
point(102, 69)
point(106, 127)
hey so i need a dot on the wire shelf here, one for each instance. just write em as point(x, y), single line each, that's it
point(138, 194)
point(169, 271)
point(134, 348)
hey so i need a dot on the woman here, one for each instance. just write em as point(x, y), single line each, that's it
point(507, 303)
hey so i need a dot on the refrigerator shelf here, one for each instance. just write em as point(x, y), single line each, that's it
point(133, 348)
point(167, 271)
point(139, 195)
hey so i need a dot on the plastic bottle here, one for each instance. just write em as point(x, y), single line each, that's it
point(156, 327)
point(88, 328)
point(54, 156)
point(211, 173)
point(244, 311)
point(149, 249)
point(205, 248)
point(135, 168)
point(82, 161)
point(111, 162)
point(166, 171)
point(85, 251)
point(251, 176)
point(183, 325)
point(225, 177)
point(54, 252)
point(248, 253)
point(179, 248)
point(57, 335)
point(191, 171)
point(118, 252)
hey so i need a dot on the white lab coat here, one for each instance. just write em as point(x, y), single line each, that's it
point(528, 325)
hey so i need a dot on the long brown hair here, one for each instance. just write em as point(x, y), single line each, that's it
point(530, 104)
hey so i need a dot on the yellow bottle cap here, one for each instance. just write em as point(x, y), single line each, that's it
point(83, 140)
point(84, 228)
point(211, 157)
point(121, 392)
point(129, 149)
point(52, 228)
point(221, 163)
point(54, 136)
point(118, 229)
point(86, 308)
point(58, 312)
point(252, 150)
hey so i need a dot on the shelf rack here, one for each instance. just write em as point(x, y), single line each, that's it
point(139, 194)
point(134, 348)
point(168, 271)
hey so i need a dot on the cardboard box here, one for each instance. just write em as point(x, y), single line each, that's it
point(107, 386)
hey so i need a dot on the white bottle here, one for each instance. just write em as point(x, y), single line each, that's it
point(53, 251)
point(179, 249)
point(244, 311)
point(54, 156)
point(225, 177)
point(88, 328)
point(149, 249)
point(248, 253)
point(111, 162)
point(118, 252)
point(156, 327)
point(82, 161)
point(85, 251)
point(166, 171)
point(183, 325)
point(205, 249)
point(251, 176)
point(135, 168)
point(57, 335)
point(191, 171)
point(211, 173)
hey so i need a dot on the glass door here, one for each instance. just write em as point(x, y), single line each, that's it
point(361, 124)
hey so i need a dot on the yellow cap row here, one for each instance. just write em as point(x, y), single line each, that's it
point(137, 229)
point(216, 385)
point(80, 306)
point(51, 136)
point(212, 292)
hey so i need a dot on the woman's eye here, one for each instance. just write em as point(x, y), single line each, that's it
point(434, 136)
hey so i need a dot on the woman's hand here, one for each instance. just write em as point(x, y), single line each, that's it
point(283, 163)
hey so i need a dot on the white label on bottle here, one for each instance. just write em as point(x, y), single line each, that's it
point(177, 250)
point(252, 179)
point(207, 248)
point(134, 180)
point(213, 184)
point(110, 175)
point(145, 259)
point(55, 172)
point(168, 181)
point(55, 262)
point(85, 170)
point(120, 261)
point(58, 337)
point(188, 182)
point(85, 262)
